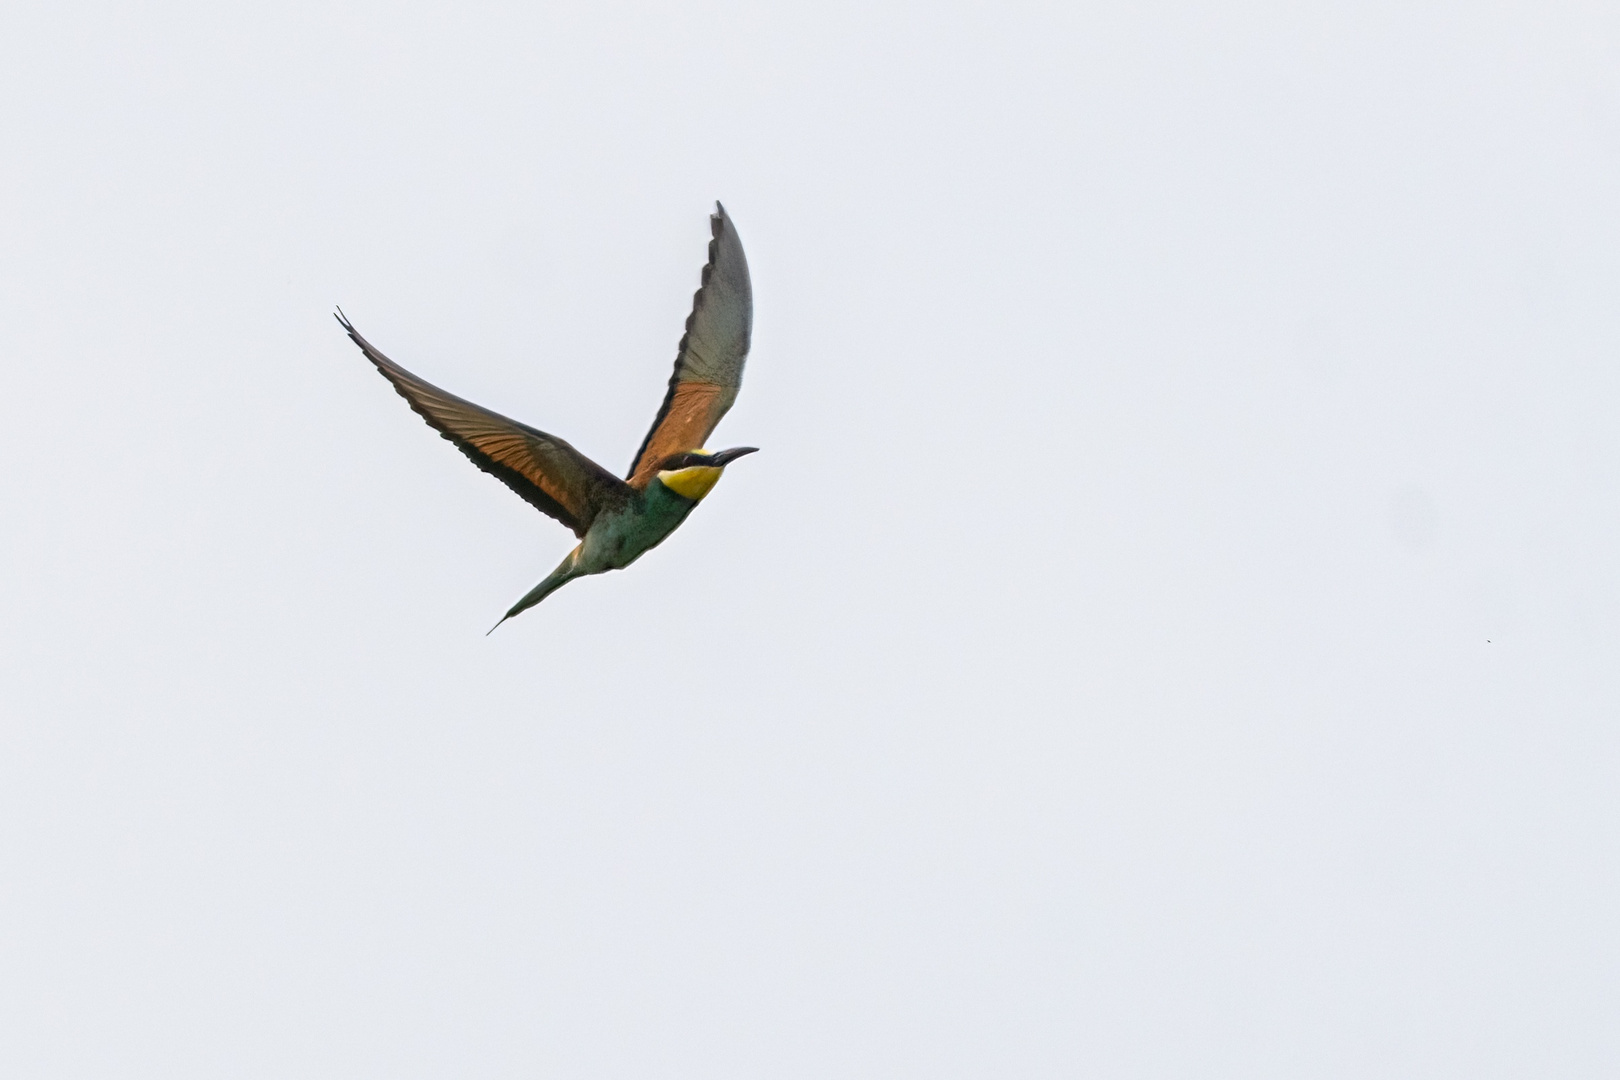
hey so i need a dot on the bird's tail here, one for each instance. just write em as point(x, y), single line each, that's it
point(566, 571)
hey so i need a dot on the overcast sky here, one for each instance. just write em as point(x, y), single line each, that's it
point(1169, 630)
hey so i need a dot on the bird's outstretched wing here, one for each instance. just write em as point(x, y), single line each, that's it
point(552, 476)
point(709, 364)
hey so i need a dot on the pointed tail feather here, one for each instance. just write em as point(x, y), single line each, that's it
point(565, 572)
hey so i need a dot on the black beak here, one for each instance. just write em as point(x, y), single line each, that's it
point(725, 457)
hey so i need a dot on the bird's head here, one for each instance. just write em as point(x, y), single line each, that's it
point(691, 473)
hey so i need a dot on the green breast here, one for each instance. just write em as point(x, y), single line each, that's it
point(618, 538)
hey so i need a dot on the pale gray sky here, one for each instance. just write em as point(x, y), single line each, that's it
point(1169, 631)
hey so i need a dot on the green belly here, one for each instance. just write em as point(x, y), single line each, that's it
point(618, 537)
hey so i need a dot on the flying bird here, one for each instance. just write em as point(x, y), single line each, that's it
point(617, 521)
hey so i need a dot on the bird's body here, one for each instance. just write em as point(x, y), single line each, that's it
point(616, 520)
point(623, 534)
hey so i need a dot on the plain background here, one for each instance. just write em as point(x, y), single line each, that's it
point(1169, 630)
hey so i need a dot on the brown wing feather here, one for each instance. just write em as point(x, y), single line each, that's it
point(709, 363)
point(549, 474)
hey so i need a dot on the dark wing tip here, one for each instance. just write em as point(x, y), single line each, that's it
point(372, 352)
point(354, 335)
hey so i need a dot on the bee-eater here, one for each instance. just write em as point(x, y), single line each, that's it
point(616, 520)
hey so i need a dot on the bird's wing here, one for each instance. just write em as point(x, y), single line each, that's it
point(552, 476)
point(709, 364)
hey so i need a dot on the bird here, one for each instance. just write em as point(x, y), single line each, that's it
point(617, 521)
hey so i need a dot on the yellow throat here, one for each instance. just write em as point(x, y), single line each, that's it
point(692, 482)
